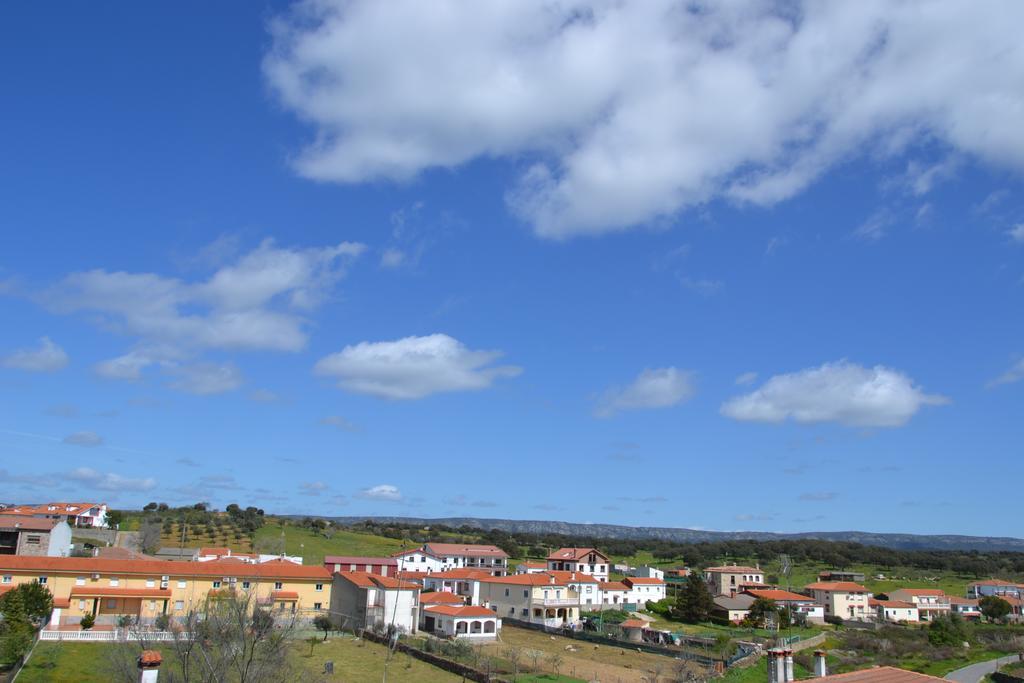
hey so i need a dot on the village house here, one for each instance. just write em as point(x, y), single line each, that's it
point(146, 589)
point(732, 608)
point(841, 575)
point(643, 590)
point(440, 598)
point(843, 599)
point(997, 587)
point(584, 584)
point(965, 607)
point(894, 610)
point(613, 593)
point(528, 567)
point(587, 560)
point(646, 572)
point(930, 602)
point(372, 601)
point(801, 607)
point(461, 582)
point(439, 557)
point(40, 536)
point(384, 566)
point(75, 514)
point(731, 579)
point(469, 622)
point(534, 598)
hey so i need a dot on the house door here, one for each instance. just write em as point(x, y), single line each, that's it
point(429, 624)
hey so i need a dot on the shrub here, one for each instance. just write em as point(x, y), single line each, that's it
point(834, 620)
point(162, 622)
point(87, 622)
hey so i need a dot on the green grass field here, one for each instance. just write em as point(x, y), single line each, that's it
point(312, 547)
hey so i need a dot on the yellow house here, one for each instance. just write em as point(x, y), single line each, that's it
point(843, 599)
point(110, 589)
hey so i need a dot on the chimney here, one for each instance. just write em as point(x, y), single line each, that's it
point(772, 672)
point(780, 666)
point(788, 654)
point(820, 671)
point(149, 666)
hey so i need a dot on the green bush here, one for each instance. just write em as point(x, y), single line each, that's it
point(87, 622)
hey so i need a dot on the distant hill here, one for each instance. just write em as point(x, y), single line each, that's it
point(885, 540)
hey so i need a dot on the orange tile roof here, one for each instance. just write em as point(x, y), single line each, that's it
point(642, 580)
point(440, 597)
point(368, 580)
point(62, 603)
point(897, 604)
point(543, 579)
point(570, 577)
point(953, 600)
point(613, 586)
point(920, 591)
point(837, 587)
point(778, 595)
point(90, 592)
point(466, 611)
point(734, 570)
point(563, 554)
point(461, 549)
point(150, 658)
point(28, 523)
point(284, 595)
point(99, 565)
point(460, 574)
point(881, 674)
point(533, 565)
point(634, 623)
point(213, 551)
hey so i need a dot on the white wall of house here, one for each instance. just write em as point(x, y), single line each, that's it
point(641, 593)
point(647, 572)
point(897, 613)
point(467, 628)
point(468, 588)
point(419, 561)
point(398, 607)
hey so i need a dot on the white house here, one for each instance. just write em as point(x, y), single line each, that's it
point(997, 587)
point(895, 610)
point(930, 602)
point(528, 567)
point(613, 593)
point(418, 560)
point(644, 589)
point(363, 600)
point(535, 598)
point(75, 514)
point(843, 599)
point(800, 606)
point(462, 582)
point(587, 560)
point(439, 557)
point(586, 585)
point(468, 622)
point(646, 572)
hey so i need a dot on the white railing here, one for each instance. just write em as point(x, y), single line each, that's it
point(559, 602)
point(118, 635)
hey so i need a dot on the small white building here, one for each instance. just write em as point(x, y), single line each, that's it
point(895, 610)
point(613, 593)
point(528, 567)
point(418, 560)
point(843, 599)
point(646, 572)
point(363, 600)
point(461, 621)
point(462, 582)
point(644, 589)
point(440, 557)
point(587, 560)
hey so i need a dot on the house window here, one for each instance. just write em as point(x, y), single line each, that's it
point(182, 584)
point(512, 611)
point(152, 605)
point(112, 603)
point(245, 585)
point(319, 587)
point(179, 605)
point(506, 590)
point(32, 540)
point(278, 585)
point(80, 581)
point(7, 579)
point(216, 584)
point(114, 582)
point(150, 583)
point(526, 593)
point(81, 605)
point(42, 580)
point(318, 605)
point(525, 612)
point(423, 558)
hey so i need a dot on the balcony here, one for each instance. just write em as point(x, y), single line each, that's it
point(558, 602)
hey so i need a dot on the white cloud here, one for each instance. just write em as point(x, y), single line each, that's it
point(413, 367)
point(653, 388)
point(392, 258)
point(746, 378)
point(339, 422)
point(1014, 374)
point(206, 379)
point(110, 481)
point(47, 357)
point(385, 492)
point(630, 112)
point(86, 439)
point(835, 392)
point(1016, 233)
point(255, 303)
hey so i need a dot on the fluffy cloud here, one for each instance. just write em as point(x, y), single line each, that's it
point(413, 367)
point(205, 379)
point(657, 388)
point(1014, 374)
point(47, 357)
point(257, 302)
point(835, 392)
point(746, 378)
point(629, 112)
point(385, 492)
point(1016, 233)
point(86, 439)
point(110, 481)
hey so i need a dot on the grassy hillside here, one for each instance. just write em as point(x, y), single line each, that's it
point(313, 546)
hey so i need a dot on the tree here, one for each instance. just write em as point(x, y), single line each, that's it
point(947, 631)
point(514, 655)
point(149, 507)
point(994, 607)
point(114, 518)
point(324, 623)
point(30, 602)
point(763, 611)
point(694, 602)
point(313, 642)
point(87, 622)
point(149, 536)
point(555, 660)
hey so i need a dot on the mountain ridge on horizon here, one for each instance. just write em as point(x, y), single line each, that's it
point(894, 540)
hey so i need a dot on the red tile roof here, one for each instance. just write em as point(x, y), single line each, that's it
point(96, 592)
point(643, 581)
point(462, 550)
point(544, 579)
point(577, 554)
point(284, 595)
point(150, 658)
point(441, 597)
point(28, 523)
point(461, 573)
point(837, 587)
point(99, 565)
point(778, 595)
point(571, 577)
point(733, 569)
point(953, 600)
point(62, 603)
point(634, 623)
point(466, 611)
point(896, 604)
point(368, 580)
point(413, 576)
point(613, 586)
point(881, 674)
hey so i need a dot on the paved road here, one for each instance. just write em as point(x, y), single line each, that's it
point(975, 672)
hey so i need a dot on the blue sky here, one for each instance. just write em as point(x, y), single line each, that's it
point(626, 265)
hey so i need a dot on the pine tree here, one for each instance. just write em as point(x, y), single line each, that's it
point(695, 601)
